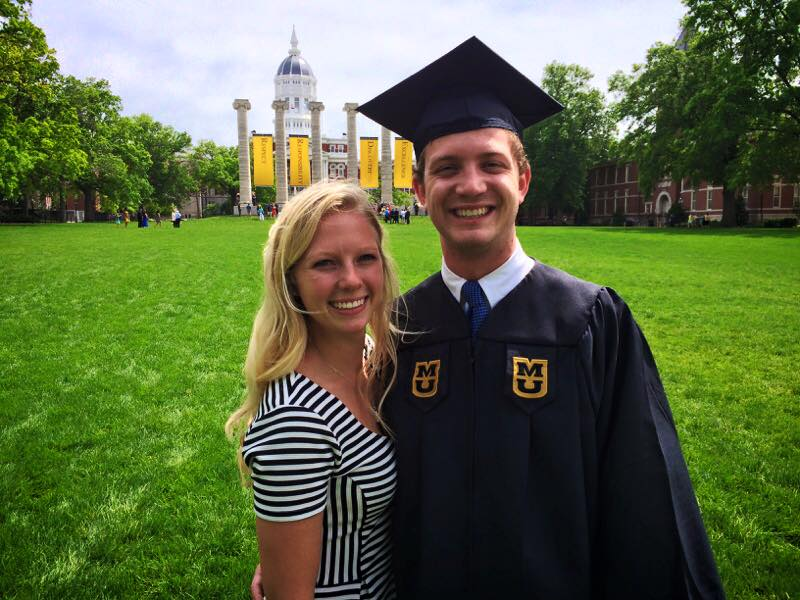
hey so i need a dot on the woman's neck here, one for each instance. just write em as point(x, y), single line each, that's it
point(342, 355)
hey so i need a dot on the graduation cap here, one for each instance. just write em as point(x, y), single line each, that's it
point(470, 87)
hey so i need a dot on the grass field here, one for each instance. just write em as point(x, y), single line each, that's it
point(120, 358)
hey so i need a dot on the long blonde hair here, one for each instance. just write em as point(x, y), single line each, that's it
point(279, 336)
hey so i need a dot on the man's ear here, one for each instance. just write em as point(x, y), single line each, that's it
point(524, 183)
point(419, 190)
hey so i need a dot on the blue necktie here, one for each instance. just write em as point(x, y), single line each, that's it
point(477, 305)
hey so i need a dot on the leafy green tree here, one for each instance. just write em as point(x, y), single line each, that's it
point(266, 194)
point(562, 148)
point(216, 167)
point(39, 149)
point(723, 105)
point(117, 163)
point(169, 174)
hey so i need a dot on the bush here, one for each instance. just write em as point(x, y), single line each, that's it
point(787, 222)
point(677, 215)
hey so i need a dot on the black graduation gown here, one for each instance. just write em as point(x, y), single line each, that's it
point(540, 460)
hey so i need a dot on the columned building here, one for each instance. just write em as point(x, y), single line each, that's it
point(296, 84)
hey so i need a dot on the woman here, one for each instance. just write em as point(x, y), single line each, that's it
point(322, 469)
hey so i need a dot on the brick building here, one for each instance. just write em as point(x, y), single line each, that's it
point(614, 189)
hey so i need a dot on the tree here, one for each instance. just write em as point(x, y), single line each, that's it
point(169, 173)
point(216, 167)
point(117, 163)
point(562, 148)
point(723, 105)
point(39, 136)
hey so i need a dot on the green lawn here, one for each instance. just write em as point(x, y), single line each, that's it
point(121, 353)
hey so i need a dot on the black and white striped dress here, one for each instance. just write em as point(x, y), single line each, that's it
point(308, 454)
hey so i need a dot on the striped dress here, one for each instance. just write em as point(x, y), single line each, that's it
point(309, 454)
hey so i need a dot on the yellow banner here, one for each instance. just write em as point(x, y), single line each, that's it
point(369, 162)
point(299, 165)
point(403, 155)
point(263, 165)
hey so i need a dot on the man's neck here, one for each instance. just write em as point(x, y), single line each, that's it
point(481, 264)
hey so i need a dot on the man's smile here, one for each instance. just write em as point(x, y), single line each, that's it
point(472, 212)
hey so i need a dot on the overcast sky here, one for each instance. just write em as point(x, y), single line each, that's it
point(183, 62)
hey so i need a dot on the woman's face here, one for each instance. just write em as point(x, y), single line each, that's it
point(340, 276)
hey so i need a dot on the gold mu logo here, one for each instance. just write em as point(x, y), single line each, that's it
point(425, 381)
point(530, 377)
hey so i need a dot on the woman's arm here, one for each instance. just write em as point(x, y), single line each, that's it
point(290, 557)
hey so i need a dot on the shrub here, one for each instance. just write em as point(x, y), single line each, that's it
point(787, 222)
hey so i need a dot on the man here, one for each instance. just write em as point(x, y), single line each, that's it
point(537, 456)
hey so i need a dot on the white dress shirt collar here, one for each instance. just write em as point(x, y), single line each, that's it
point(497, 284)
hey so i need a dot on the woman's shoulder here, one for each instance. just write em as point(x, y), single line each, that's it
point(296, 392)
point(292, 403)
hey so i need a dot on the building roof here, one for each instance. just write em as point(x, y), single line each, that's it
point(294, 64)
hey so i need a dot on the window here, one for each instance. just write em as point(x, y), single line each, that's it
point(626, 202)
point(709, 194)
point(746, 193)
point(796, 197)
point(605, 203)
point(776, 195)
point(596, 204)
point(693, 201)
point(627, 172)
point(648, 207)
point(616, 195)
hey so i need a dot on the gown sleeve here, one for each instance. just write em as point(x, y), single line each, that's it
point(651, 542)
point(292, 454)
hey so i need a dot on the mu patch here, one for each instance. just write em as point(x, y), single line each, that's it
point(425, 380)
point(529, 377)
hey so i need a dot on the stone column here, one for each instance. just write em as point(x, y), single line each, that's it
point(317, 173)
point(281, 179)
point(386, 166)
point(352, 142)
point(241, 106)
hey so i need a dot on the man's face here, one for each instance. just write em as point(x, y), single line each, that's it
point(472, 190)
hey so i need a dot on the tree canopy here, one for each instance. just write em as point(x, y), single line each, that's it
point(722, 105)
point(563, 148)
point(60, 134)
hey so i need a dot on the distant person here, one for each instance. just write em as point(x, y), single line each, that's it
point(145, 218)
point(321, 464)
point(260, 213)
point(126, 217)
point(249, 208)
point(140, 217)
point(158, 218)
point(117, 219)
point(274, 210)
point(176, 218)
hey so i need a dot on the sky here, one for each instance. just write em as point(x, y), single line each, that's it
point(184, 62)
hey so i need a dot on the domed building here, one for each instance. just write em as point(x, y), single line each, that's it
point(296, 84)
